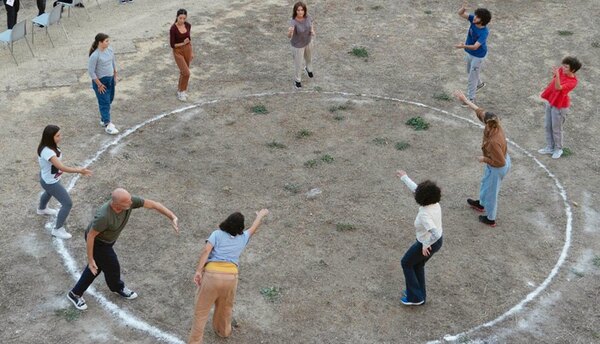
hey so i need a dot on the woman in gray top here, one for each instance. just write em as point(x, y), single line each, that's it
point(300, 32)
point(103, 72)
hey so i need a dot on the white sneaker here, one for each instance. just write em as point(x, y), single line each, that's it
point(111, 129)
point(181, 96)
point(546, 150)
point(102, 124)
point(557, 153)
point(47, 211)
point(61, 233)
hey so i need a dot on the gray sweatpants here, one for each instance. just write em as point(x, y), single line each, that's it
point(62, 196)
point(555, 119)
point(474, 65)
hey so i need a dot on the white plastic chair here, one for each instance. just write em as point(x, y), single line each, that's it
point(18, 32)
point(47, 19)
point(73, 4)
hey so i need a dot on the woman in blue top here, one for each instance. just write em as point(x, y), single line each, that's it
point(217, 274)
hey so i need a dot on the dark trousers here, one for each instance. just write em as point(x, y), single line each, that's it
point(11, 14)
point(107, 262)
point(41, 5)
point(413, 265)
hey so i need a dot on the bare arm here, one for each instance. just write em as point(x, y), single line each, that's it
point(557, 84)
point(58, 164)
point(257, 221)
point(461, 96)
point(89, 244)
point(290, 32)
point(468, 47)
point(150, 204)
point(463, 10)
point(203, 258)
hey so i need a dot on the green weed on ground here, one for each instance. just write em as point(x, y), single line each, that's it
point(442, 96)
point(567, 152)
point(292, 187)
point(565, 33)
point(311, 163)
point(260, 109)
point(359, 52)
point(418, 123)
point(596, 261)
point(402, 145)
point(342, 107)
point(271, 294)
point(302, 133)
point(69, 313)
point(344, 227)
point(326, 158)
point(381, 141)
point(275, 144)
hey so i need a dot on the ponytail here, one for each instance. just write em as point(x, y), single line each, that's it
point(180, 12)
point(491, 120)
point(101, 37)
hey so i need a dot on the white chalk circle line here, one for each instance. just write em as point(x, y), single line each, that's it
point(131, 320)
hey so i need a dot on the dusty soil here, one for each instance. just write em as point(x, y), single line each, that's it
point(335, 286)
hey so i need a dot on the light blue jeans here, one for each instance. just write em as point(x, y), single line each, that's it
point(474, 65)
point(490, 187)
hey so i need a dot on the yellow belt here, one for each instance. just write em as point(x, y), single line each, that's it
point(226, 267)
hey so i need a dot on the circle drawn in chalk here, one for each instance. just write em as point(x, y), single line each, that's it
point(133, 321)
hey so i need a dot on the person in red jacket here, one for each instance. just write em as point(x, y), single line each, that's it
point(558, 103)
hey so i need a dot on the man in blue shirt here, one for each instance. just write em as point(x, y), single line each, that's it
point(475, 46)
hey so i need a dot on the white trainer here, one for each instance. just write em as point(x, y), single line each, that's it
point(61, 233)
point(181, 96)
point(111, 129)
point(546, 150)
point(557, 153)
point(47, 211)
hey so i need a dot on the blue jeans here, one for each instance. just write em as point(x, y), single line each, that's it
point(106, 98)
point(490, 187)
point(107, 261)
point(62, 196)
point(413, 265)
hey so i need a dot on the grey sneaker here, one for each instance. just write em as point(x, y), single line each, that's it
point(77, 301)
point(61, 233)
point(557, 153)
point(126, 293)
point(47, 211)
point(546, 150)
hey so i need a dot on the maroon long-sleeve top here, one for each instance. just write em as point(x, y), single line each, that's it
point(178, 37)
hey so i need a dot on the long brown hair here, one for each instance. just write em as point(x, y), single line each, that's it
point(180, 12)
point(491, 121)
point(99, 38)
point(48, 139)
point(299, 4)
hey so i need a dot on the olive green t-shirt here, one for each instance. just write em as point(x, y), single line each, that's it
point(109, 223)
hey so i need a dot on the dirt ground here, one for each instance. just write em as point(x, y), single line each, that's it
point(322, 270)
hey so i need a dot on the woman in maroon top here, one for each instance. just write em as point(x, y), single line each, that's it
point(182, 51)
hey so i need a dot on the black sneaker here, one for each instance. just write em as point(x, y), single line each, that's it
point(297, 85)
point(484, 219)
point(77, 301)
point(474, 203)
point(310, 74)
point(79, 5)
point(480, 86)
point(126, 293)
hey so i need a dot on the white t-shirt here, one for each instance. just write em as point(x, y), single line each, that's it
point(50, 174)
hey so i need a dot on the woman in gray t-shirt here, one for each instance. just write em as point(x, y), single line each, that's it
point(300, 32)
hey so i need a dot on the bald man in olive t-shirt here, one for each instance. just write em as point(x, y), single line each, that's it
point(101, 235)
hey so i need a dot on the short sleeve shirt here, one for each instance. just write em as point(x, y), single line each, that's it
point(301, 36)
point(49, 173)
point(110, 224)
point(226, 247)
point(476, 34)
point(560, 99)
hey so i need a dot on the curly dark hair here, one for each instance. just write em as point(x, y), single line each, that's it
point(233, 224)
point(427, 193)
point(484, 15)
point(573, 63)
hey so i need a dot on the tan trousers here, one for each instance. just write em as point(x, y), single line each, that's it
point(219, 289)
point(183, 58)
point(302, 56)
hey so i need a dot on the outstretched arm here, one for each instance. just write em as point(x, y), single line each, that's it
point(58, 164)
point(478, 111)
point(150, 204)
point(258, 221)
point(404, 177)
point(463, 10)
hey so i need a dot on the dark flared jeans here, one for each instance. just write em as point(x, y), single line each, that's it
point(413, 265)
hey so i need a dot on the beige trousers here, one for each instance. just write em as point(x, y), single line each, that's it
point(302, 57)
point(219, 289)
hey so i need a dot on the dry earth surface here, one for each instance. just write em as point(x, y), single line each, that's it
point(328, 267)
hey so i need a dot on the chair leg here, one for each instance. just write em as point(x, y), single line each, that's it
point(32, 33)
point(29, 46)
point(98, 3)
point(12, 54)
point(65, 31)
point(49, 37)
point(88, 12)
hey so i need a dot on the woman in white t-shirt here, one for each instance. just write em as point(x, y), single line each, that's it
point(51, 169)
